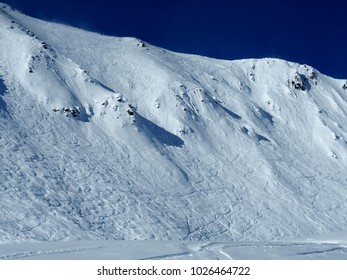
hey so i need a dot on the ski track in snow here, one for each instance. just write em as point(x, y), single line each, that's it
point(112, 138)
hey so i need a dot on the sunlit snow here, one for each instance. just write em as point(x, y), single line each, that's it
point(107, 138)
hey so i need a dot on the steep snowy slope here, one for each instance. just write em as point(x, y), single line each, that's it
point(112, 138)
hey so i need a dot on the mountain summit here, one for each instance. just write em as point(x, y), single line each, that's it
point(113, 138)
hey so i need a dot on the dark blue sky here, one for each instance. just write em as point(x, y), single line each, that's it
point(311, 32)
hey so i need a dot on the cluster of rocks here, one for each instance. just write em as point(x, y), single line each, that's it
point(299, 82)
point(69, 112)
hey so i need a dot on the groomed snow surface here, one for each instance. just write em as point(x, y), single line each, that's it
point(105, 138)
point(175, 250)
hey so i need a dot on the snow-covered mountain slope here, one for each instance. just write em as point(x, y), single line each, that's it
point(112, 138)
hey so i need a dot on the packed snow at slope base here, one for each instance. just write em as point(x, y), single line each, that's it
point(174, 250)
point(112, 138)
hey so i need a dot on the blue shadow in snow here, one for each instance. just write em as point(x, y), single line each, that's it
point(163, 136)
point(265, 115)
point(2, 93)
point(83, 116)
point(261, 138)
point(231, 113)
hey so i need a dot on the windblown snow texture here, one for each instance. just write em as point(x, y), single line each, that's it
point(112, 138)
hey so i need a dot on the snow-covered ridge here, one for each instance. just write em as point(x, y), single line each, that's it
point(112, 138)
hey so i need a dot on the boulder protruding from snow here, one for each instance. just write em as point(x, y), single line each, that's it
point(69, 112)
point(299, 81)
point(141, 44)
point(130, 110)
point(312, 74)
point(44, 45)
point(119, 98)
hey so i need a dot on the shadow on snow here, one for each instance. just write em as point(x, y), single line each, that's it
point(2, 93)
point(163, 136)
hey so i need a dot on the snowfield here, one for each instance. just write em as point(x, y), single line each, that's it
point(332, 247)
point(105, 138)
